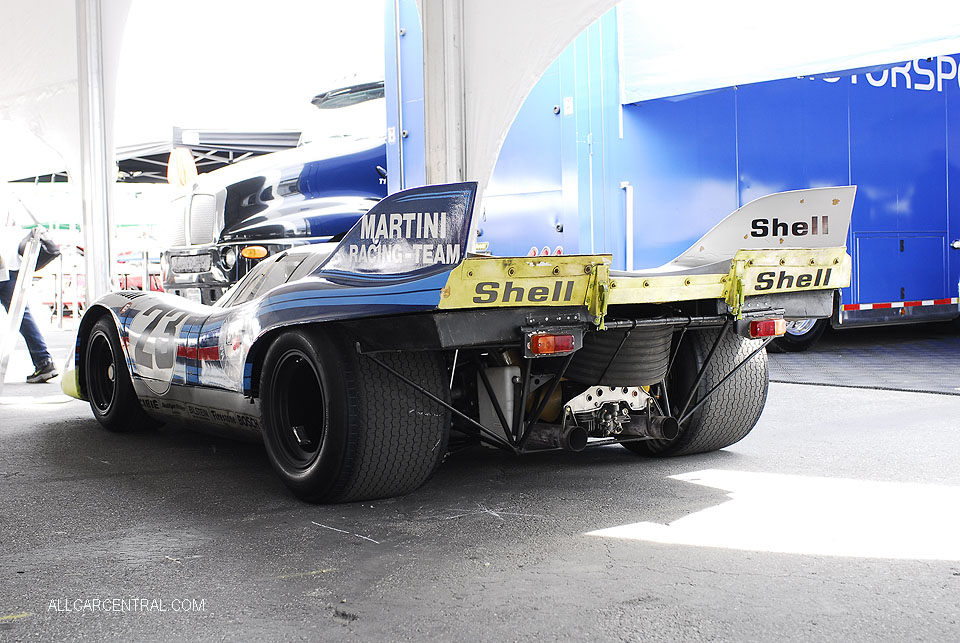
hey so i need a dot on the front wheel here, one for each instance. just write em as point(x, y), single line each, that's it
point(339, 428)
point(731, 412)
point(107, 381)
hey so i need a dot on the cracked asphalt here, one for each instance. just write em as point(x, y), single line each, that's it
point(836, 519)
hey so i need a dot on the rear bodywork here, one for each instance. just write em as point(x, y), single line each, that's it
point(401, 280)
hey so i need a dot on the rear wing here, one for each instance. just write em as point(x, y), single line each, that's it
point(782, 243)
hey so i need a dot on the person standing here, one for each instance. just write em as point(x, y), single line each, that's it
point(10, 237)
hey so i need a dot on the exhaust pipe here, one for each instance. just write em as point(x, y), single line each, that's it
point(659, 427)
point(663, 427)
point(552, 436)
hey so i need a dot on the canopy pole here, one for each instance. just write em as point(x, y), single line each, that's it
point(443, 47)
point(97, 175)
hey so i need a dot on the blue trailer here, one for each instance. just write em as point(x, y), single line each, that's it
point(584, 170)
point(585, 173)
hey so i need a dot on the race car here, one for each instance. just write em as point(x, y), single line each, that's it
point(356, 366)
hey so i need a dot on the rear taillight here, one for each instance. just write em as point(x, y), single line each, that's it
point(768, 328)
point(551, 344)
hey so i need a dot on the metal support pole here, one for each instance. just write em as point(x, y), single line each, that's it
point(443, 87)
point(75, 283)
point(97, 174)
point(146, 271)
point(628, 223)
point(58, 297)
point(400, 129)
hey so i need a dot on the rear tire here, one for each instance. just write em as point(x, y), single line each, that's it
point(730, 413)
point(107, 382)
point(801, 335)
point(339, 428)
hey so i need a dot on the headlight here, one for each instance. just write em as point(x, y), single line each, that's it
point(228, 257)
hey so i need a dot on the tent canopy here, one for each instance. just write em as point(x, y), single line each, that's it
point(218, 65)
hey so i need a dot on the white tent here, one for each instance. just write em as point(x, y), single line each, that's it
point(481, 59)
point(150, 66)
point(222, 63)
point(237, 65)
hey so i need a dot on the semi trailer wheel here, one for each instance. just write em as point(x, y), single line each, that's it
point(730, 413)
point(338, 427)
point(801, 334)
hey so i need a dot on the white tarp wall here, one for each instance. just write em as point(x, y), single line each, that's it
point(480, 59)
point(725, 44)
point(38, 95)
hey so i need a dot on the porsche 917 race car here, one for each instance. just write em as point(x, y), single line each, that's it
point(356, 365)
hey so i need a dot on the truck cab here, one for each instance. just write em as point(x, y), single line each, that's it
point(226, 221)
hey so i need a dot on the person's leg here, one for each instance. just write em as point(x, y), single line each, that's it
point(6, 293)
point(31, 333)
point(35, 342)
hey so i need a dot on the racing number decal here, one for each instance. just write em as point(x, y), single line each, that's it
point(164, 345)
point(153, 336)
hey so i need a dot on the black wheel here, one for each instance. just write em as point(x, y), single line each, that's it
point(338, 427)
point(730, 413)
point(107, 382)
point(801, 334)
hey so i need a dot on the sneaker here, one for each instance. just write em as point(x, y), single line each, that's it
point(43, 373)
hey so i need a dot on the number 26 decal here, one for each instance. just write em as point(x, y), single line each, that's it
point(153, 336)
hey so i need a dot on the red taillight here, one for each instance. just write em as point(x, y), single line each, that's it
point(551, 344)
point(768, 328)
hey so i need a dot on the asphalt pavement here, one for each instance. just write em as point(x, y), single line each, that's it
point(835, 519)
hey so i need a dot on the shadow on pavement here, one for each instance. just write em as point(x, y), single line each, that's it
point(917, 357)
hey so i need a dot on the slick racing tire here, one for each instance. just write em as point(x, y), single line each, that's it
point(730, 413)
point(107, 381)
point(340, 428)
point(801, 335)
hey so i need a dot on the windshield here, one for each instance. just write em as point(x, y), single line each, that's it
point(355, 112)
point(270, 273)
point(346, 96)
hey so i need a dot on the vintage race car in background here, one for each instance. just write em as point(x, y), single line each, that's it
point(355, 365)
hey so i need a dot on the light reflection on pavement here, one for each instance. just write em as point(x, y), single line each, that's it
point(796, 514)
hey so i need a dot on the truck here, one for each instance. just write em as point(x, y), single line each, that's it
point(227, 220)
